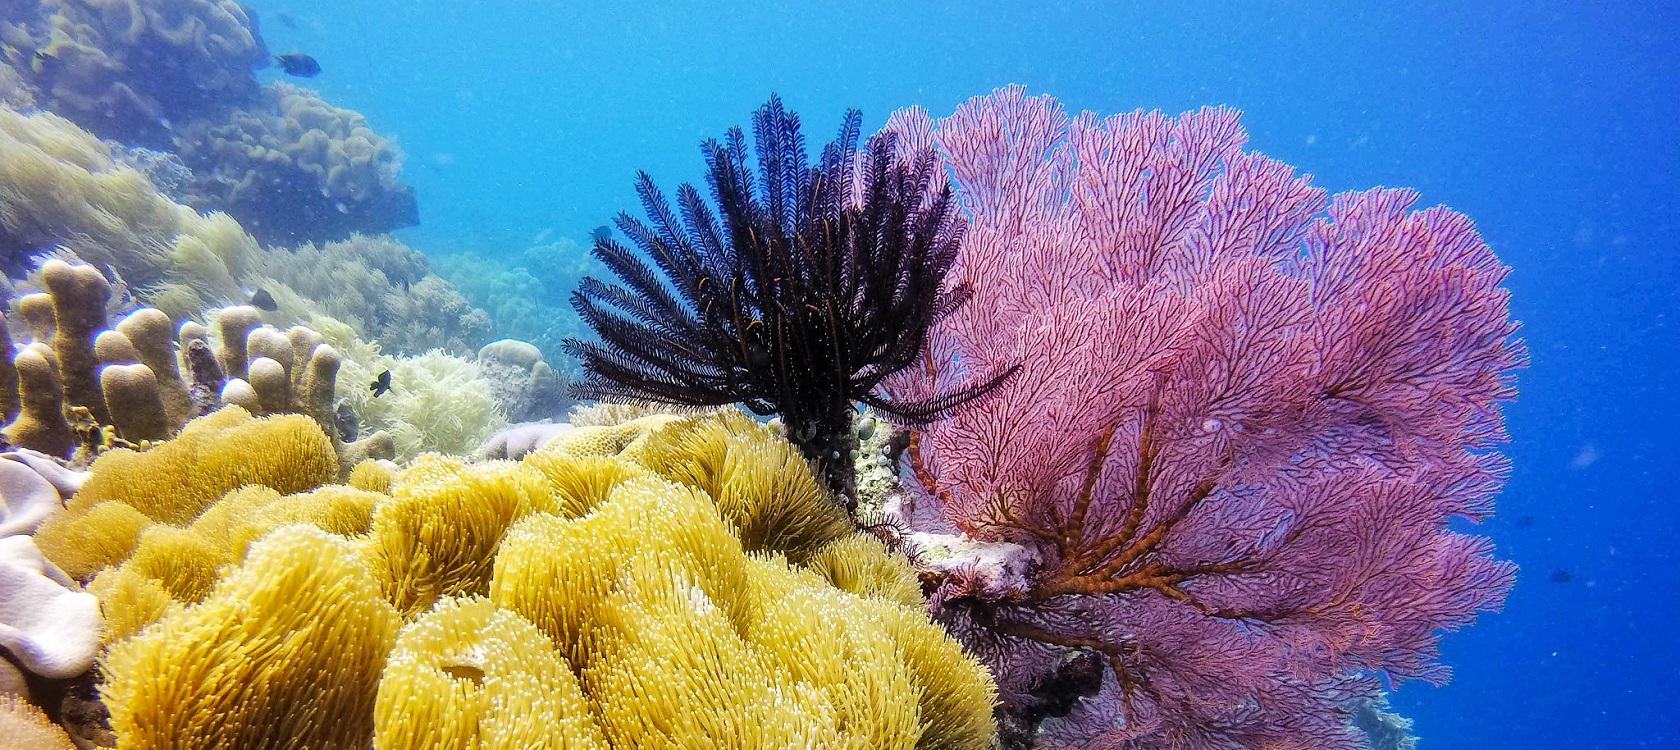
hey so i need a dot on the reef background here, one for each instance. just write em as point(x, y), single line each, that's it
point(1554, 126)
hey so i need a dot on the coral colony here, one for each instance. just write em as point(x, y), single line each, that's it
point(1071, 432)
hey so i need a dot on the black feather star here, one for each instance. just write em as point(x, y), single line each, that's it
point(807, 287)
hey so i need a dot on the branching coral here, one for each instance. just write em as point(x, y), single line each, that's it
point(580, 597)
point(807, 287)
point(294, 168)
point(1243, 419)
point(126, 69)
point(60, 188)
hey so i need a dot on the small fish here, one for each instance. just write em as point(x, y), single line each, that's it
point(286, 19)
point(1524, 522)
point(262, 300)
point(298, 64)
point(381, 384)
point(1562, 576)
point(602, 233)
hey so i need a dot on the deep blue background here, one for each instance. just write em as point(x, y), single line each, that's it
point(1557, 128)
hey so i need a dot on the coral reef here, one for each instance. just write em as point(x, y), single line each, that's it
point(378, 286)
point(807, 287)
point(178, 75)
point(127, 70)
point(60, 189)
point(641, 588)
point(295, 169)
point(519, 290)
point(1243, 418)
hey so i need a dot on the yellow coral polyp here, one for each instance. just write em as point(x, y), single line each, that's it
point(286, 652)
point(438, 534)
point(470, 676)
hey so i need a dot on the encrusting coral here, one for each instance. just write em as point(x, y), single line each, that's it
point(633, 590)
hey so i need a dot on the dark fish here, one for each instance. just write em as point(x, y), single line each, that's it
point(286, 19)
point(298, 64)
point(262, 300)
point(1524, 522)
point(1562, 576)
point(381, 384)
point(602, 233)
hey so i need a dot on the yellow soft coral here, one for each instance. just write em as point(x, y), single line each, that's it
point(438, 533)
point(470, 676)
point(174, 482)
point(286, 652)
point(24, 727)
point(602, 599)
point(680, 637)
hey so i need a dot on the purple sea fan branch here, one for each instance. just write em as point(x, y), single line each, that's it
point(1241, 420)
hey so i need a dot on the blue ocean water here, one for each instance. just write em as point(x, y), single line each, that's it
point(1555, 126)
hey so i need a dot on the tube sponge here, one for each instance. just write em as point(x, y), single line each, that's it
point(468, 675)
point(286, 652)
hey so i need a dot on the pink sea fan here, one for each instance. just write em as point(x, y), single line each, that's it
point(1243, 418)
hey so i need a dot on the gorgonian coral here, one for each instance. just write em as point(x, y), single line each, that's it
point(808, 286)
point(1243, 418)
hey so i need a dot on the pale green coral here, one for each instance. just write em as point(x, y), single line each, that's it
point(379, 286)
point(60, 186)
point(437, 402)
